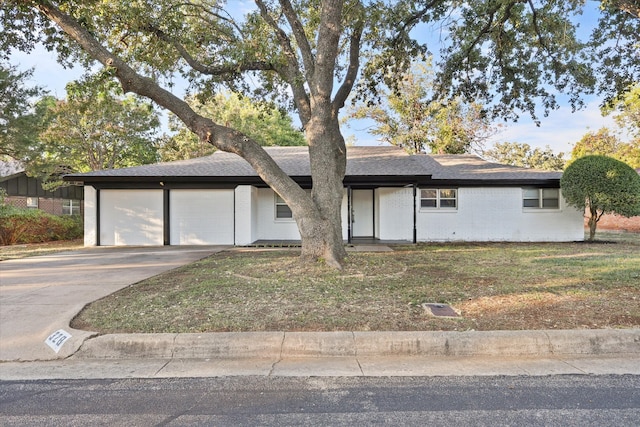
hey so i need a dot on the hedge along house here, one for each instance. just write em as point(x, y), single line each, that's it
point(389, 196)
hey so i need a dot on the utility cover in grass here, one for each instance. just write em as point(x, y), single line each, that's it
point(440, 310)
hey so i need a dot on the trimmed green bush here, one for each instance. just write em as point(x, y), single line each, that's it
point(601, 185)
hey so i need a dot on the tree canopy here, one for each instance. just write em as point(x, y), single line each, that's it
point(626, 110)
point(96, 127)
point(20, 119)
point(261, 121)
point(410, 118)
point(510, 56)
point(606, 143)
point(517, 154)
point(601, 185)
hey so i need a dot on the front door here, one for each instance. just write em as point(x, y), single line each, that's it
point(362, 213)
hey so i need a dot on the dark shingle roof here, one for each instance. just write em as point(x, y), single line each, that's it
point(470, 167)
point(362, 162)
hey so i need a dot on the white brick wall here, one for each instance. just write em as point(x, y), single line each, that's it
point(394, 213)
point(90, 223)
point(496, 214)
point(268, 227)
point(246, 211)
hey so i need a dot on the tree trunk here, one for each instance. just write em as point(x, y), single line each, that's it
point(318, 217)
point(593, 222)
point(321, 232)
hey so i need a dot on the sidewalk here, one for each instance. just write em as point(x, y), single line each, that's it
point(41, 295)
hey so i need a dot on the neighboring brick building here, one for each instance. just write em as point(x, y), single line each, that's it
point(27, 192)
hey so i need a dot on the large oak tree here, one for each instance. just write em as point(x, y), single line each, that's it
point(508, 54)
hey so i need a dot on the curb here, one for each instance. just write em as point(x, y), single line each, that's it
point(225, 345)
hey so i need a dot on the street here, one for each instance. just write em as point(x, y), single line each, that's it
point(568, 400)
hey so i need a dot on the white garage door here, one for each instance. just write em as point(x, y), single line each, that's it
point(131, 217)
point(201, 217)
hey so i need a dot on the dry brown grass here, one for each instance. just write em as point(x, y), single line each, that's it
point(494, 285)
point(36, 249)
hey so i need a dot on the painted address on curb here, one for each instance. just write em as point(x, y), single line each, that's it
point(57, 339)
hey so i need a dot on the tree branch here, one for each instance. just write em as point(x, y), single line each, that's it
point(416, 16)
point(208, 69)
point(300, 36)
point(543, 43)
point(327, 50)
point(352, 72)
point(222, 137)
point(291, 72)
point(629, 6)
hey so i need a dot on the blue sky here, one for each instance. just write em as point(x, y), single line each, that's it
point(560, 130)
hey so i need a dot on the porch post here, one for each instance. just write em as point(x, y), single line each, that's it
point(349, 211)
point(97, 217)
point(415, 215)
point(166, 214)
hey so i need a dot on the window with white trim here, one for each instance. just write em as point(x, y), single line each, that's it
point(32, 202)
point(70, 207)
point(282, 210)
point(439, 198)
point(541, 198)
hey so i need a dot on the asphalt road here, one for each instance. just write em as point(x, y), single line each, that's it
point(437, 401)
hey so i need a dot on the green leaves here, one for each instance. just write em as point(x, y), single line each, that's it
point(411, 118)
point(605, 143)
point(262, 122)
point(522, 155)
point(19, 120)
point(602, 185)
point(95, 128)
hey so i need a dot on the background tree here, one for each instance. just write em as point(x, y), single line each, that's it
point(517, 154)
point(19, 118)
point(626, 110)
point(95, 128)
point(507, 55)
point(606, 143)
point(261, 121)
point(601, 185)
point(408, 117)
point(533, 43)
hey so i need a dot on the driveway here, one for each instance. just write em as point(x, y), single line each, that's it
point(41, 295)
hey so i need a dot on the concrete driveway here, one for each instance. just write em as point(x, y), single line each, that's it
point(41, 295)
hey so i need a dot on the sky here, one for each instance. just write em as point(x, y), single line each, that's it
point(559, 131)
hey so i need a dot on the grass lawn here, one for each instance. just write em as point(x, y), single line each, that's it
point(36, 249)
point(493, 285)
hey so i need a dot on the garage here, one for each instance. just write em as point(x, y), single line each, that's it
point(201, 217)
point(131, 217)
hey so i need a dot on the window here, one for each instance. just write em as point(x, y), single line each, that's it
point(32, 202)
point(282, 210)
point(541, 198)
point(70, 207)
point(444, 198)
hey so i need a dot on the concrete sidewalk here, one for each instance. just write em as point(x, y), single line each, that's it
point(41, 295)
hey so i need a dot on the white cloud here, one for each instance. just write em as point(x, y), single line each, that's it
point(560, 131)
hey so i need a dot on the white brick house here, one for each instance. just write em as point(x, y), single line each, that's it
point(389, 196)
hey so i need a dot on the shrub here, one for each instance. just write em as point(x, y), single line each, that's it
point(601, 185)
point(35, 226)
